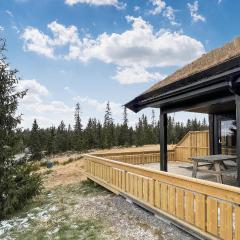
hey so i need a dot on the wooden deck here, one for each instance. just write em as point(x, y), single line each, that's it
point(185, 169)
point(204, 208)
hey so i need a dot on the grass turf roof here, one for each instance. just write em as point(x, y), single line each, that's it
point(206, 61)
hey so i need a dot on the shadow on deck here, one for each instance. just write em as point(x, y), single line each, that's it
point(185, 169)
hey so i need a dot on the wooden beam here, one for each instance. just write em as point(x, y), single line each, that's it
point(238, 137)
point(192, 104)
point(163, 141)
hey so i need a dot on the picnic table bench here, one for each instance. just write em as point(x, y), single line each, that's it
point(215, 164)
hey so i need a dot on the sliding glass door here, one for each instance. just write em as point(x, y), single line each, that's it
point(227, 140)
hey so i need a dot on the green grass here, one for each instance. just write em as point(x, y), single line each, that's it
point(80, 229)
point(87, 188)
point(51, 215)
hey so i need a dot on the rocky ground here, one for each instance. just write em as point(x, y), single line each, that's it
point(73, 208)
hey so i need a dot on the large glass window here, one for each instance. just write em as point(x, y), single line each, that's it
point(228, 137)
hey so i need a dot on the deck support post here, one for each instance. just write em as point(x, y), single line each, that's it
point(211, 133)
point(237, 99)
point(163, 141)
point(216, 135)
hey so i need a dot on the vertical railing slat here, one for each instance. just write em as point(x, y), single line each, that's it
point(212, 216)
point(145, 189)
point(226, 221)
point(200, 212)
point(164, 196)
point(157, 194)
point(180, 203)
point(189, 207)
point(140, 187)
point(237, 223)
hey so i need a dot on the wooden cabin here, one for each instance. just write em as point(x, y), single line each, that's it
point(210, 85)
point(205, 209)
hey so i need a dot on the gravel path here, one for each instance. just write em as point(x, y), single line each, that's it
point(128, 221)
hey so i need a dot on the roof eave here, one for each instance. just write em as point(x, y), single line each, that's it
point(148, 99)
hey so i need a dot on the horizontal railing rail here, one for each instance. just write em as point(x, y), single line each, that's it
point(210, 209)
point(194, 143)
point(138, 157)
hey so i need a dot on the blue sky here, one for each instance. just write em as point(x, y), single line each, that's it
point(93, 51)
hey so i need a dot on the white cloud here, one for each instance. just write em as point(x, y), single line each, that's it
point(38, 42)
point(140, 44)
point(193, 8)
point(55, 107)
point(136, 74)
point(63, 35)
point(35, 92)
point(1, 28)
point(97, 109)
point(37, 105)
point(33, 87)
point(137, 8)
point(116, 108)
point(9, 13)
point(34, 98)
point(139, 47)
point(159, 6)
point(115, 3)
point(15, 28)
point(162, 8)
point(219, 1)
point(169, 13)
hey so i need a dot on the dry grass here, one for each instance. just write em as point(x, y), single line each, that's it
point(64, 158)
point(67, 172)
point(68, 167)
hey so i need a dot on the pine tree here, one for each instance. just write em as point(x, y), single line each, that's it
point(17, 181)
point(78, 139)
point(139, 133)
point(61, 138)
point(35, 142)
point(99, 135)
point(89, 135)
point(154, 129)
point(123, 130)
point(109, 139)
point(51, 145)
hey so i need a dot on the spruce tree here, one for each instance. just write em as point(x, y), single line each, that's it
point(153, 129)
point(78, 139)
point(61, 138)
point(51, 145)
point(17, 182)
point(124, 130)
point(109, 139)
point(139, 133)
point(99, 135)
point(35, 142)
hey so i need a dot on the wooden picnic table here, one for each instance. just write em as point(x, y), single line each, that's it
point(215, 164)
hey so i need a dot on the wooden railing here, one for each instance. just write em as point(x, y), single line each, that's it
point(138, 157)
point(209, 209)
point(194, 143)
